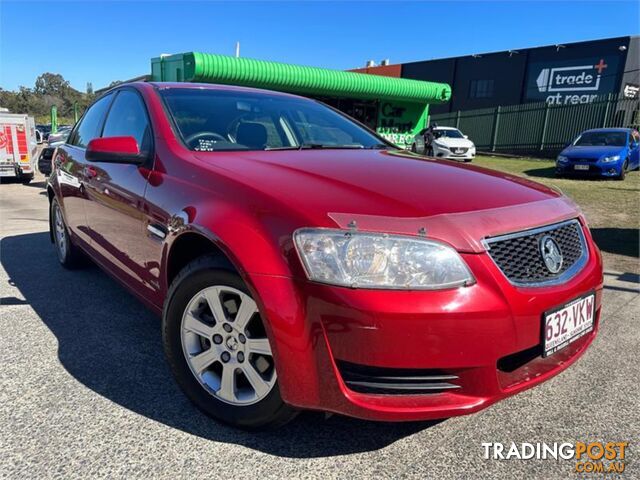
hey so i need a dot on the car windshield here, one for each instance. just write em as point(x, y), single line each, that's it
point(223, 120)
point(447, 134)
point(616, 139)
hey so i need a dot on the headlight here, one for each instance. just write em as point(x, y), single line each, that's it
point(562, 159)
point(613, 158)
point(375, 260)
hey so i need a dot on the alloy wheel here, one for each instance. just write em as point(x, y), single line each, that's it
point(226, 346)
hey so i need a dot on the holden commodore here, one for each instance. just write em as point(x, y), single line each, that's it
point(299, 261)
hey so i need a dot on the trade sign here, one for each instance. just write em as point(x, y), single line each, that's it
point(580, 82)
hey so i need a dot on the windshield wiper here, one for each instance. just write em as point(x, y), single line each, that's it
point(293, 147)
point(313, 146)
point(379, 146)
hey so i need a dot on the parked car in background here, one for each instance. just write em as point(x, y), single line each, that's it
point(60, 136)
point(448, 142)
point(604, 152)
point(46, 156)
point(18, 146)
point(300, 261)
point(45, 130)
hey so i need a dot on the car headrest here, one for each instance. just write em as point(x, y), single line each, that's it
point(253, 135)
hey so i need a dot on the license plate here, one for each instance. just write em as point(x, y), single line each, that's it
point(581, 167)
point(568, 323)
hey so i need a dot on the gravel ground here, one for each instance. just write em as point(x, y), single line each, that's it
point(85, 391)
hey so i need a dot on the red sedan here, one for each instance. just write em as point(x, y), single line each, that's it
point(299, 261)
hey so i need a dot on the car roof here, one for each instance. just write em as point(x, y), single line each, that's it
point(445, 128)
point(216, 86)
point(626, 130)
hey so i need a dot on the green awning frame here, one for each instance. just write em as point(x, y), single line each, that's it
point(313, 81)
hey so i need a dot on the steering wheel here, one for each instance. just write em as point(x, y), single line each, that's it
point(191, 139)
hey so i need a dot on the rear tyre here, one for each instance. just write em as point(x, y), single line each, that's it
point(218, 350)
point(69, 255)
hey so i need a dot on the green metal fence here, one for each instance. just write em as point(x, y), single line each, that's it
point(539, 129)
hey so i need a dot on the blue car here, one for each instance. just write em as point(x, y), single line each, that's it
point(604, 152)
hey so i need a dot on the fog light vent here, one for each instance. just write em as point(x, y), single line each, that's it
point(396, 381)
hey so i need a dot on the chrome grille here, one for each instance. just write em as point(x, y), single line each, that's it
point(519, 257)
point(459, 150)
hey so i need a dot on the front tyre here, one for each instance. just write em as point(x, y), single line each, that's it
point(216, 344)
point(623, 171)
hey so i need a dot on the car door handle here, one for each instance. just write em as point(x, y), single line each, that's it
point(157, 230)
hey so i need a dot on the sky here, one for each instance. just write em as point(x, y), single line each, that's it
point(99, 42)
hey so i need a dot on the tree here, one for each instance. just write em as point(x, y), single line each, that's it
point(50, 89)
point(52, 84)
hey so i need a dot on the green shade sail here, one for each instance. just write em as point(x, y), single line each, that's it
point(209, 68)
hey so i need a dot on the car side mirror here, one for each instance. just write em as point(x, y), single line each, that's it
point(115, 150)
point(466, 136)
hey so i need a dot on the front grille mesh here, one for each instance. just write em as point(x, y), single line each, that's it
point(520, 259)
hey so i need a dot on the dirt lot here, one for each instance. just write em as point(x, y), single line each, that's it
point(611, 207)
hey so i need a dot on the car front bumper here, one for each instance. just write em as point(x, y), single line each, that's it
point(598, 169)
point(485, 339)
point(15, 169)
point(448, 154)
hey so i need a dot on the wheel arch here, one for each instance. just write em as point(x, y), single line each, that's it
point(190, 245)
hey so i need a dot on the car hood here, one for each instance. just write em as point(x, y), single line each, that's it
point(574, 151)
point(396, 192)
point(454, 142)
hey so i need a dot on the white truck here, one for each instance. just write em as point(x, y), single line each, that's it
point(18, 146)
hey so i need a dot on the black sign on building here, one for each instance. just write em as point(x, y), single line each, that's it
point(567, 74)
